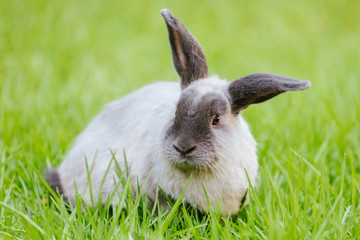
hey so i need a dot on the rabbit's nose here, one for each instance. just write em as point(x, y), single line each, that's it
point(184, 150)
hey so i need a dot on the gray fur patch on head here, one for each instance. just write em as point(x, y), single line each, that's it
point(190, 141)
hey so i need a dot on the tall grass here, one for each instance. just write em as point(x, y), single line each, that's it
point(61, 61)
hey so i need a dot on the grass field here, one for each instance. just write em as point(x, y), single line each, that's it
point(61, 61)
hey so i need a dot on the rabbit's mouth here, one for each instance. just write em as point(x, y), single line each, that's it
point(200, 157)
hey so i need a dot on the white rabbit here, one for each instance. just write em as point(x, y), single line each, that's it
point(169, 132)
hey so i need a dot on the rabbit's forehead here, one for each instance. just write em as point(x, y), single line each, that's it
point(203, 97)
point(209, 85)
point(194, 103)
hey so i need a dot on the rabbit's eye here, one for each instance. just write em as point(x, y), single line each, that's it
point(215, 120)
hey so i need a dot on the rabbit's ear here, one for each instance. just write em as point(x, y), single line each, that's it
point(188, 56)
point(259, 87)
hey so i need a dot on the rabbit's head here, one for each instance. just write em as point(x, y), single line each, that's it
point(206, 119)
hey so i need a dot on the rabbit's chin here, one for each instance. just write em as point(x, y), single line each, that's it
point(193, 165)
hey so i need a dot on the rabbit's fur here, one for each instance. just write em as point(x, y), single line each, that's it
point(169, 132)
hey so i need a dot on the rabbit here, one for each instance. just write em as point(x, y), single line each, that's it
point(169, 131)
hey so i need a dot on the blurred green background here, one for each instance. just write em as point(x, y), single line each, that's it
point(61, 61)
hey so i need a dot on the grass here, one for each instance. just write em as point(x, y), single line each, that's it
point(61, 61)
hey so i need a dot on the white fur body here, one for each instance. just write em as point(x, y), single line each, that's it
point(137, 123)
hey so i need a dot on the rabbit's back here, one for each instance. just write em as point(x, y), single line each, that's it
point(131, 123)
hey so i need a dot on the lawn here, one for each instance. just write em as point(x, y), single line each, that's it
point(62, 61)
